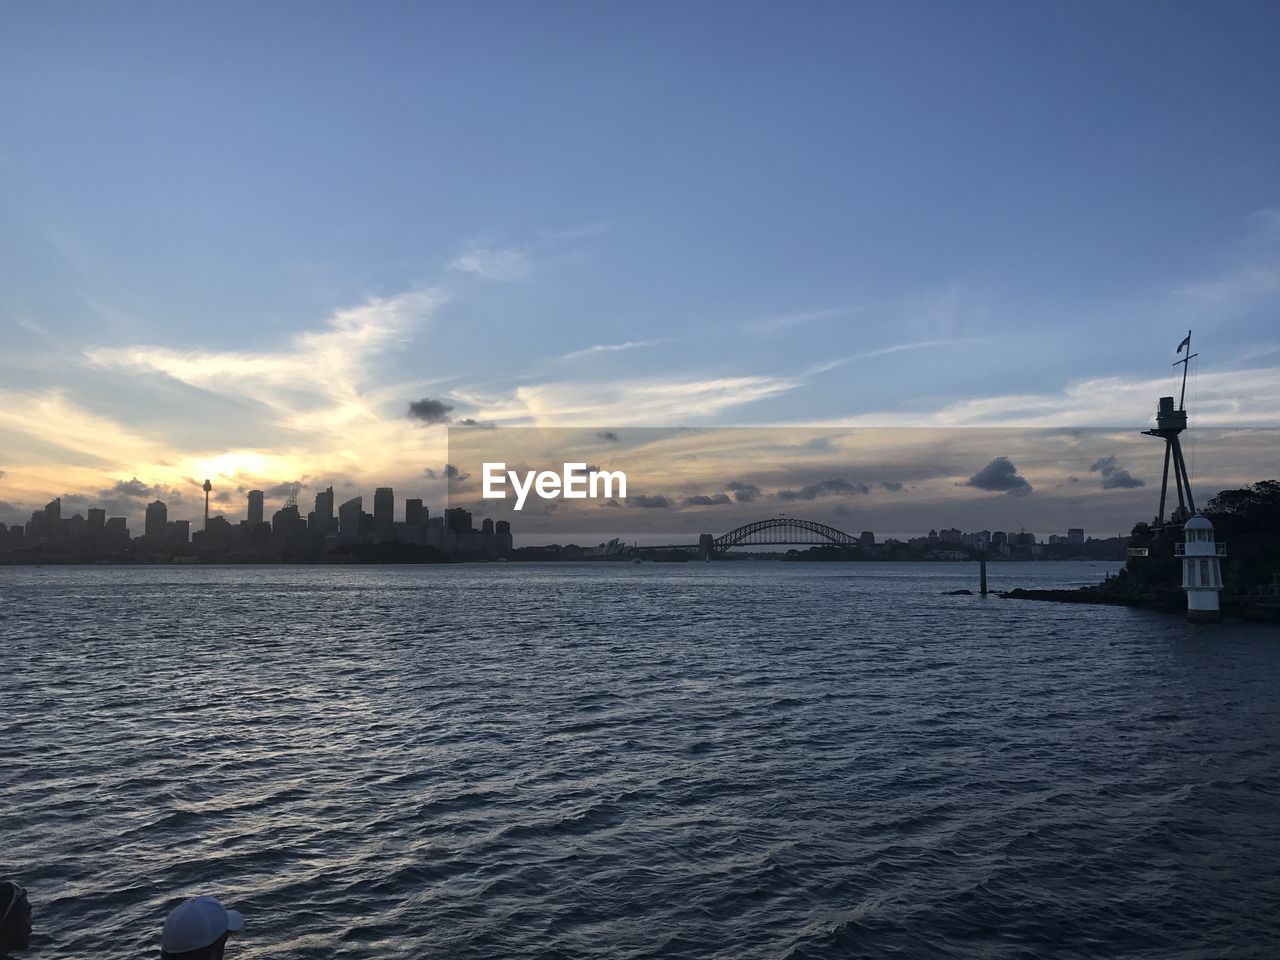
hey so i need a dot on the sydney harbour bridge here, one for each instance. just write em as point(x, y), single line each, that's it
point(776, 531)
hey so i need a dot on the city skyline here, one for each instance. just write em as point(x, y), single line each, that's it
point(865, 215)
point(452, 532)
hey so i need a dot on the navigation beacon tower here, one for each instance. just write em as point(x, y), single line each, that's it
point(207, 487)
point(1170, 423)
point(1201, 570)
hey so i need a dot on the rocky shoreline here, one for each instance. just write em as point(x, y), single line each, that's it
point(1164, 601)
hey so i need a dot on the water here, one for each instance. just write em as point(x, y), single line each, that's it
point(747, 760)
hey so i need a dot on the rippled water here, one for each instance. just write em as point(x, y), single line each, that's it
point(732, 760)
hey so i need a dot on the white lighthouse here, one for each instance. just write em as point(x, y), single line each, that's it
point(1201, 570)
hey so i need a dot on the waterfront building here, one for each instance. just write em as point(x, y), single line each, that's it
point(457, 521)
point(1075, 536)
point(384, 513)
point(324, 511)
point(435, 532)
point(415, 514)
point(157, 519)
point(287, 523)
point(349, 518)
point(255, 507)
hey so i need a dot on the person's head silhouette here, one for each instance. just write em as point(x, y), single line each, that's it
point(15, 918)
point(198, 930)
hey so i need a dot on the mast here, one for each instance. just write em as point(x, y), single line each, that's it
point(1170, 423)
point(1186, 362)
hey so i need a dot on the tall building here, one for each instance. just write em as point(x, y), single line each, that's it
point(157, 521)
point(97, 521)
point(384, 513)
point(255, 506)
point(502, 537)
point(324, 510)
point(457, 520)
point(287, 522)
point(52, 521)
point(1075, 535)
point(415, 514)
point(349, 518)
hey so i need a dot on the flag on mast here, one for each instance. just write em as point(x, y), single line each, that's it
point(1185, 344)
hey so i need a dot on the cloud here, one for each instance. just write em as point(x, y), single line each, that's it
point(1115, 477)
point(613, 348)
point(1000, 476)
point(645, 402)
point(429, 411)
point(503, 265)
point(611, 502)
point(824, 488)
point(1235, 290)
point(830, 365)
point(893, 486)
point(744, 492)
point(282, 489)
point(608, 436)
point(703, 500)
point(795, 319)
point(575, 233)
point(1240, 397)
point(128, 488)
point(655, 502)
point(448, 472)
point(319, 402)
point(472, 422)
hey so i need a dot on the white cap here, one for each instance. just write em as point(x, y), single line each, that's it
point(197, 923)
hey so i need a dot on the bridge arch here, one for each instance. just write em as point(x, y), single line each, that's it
point(783, 530)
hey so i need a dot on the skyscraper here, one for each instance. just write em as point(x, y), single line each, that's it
point(415, 514)
point(255, 506)
point(349, 518)
point(324, 510)
point(457, 520)
point(157, 519)
point(384, 513)
point(53, 518)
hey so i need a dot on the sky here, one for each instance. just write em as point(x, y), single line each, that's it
point(290, 244)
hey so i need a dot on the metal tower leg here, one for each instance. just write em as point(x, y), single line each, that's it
point(1177, 474)
point(1164, 482)
point(1181, 464)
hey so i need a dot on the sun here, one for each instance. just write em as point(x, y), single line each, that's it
point(238, 464)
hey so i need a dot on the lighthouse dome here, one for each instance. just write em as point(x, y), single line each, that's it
point(1198, 522)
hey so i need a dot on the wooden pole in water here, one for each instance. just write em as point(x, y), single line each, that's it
point(982, 573)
